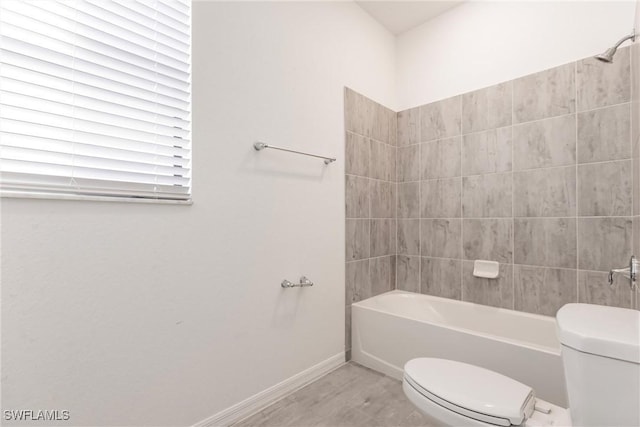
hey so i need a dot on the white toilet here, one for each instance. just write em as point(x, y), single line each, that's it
point(601, 357)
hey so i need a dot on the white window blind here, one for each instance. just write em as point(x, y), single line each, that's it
point(95, 98)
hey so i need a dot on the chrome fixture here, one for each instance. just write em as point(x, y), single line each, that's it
point(630, 272)
point(607, 55)
point(304, 282)
point(258, 146)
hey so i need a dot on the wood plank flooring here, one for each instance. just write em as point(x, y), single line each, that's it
point(350, 396)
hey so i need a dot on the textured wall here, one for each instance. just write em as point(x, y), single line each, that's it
point(370, 192)
point(535, 173)
point(132, 314)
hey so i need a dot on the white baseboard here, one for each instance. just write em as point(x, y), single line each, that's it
point(266, 397)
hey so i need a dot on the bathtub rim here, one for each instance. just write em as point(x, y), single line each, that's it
point(542, 348)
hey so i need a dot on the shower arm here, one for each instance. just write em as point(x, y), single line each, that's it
point(631, 37)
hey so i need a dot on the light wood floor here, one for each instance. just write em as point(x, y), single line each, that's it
point(350, 396)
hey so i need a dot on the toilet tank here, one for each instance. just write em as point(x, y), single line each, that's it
point(601, 358)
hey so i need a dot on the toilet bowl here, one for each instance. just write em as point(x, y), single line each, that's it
point(601, 358)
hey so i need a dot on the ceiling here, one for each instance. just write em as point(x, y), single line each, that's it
point(399, 16)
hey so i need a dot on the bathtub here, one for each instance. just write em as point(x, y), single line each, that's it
point(394, 327)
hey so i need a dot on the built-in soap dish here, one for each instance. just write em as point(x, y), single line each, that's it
point(486, 269)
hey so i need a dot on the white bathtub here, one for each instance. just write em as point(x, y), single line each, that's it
point(392, 328)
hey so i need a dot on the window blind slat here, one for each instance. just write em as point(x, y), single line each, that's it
point(70, 120)
point(59, 15)
point(50, 184)
point(22, 74)
point(144, 25)
point(45, 132)
point(58, 105)
point(74, 171)
point(67, 43)
point(70, 59)
point(89, 162)
point(67, 96)
point(95, 98)
point(90, 150)
point(67, 70)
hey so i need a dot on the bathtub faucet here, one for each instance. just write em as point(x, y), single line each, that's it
point(630, 272)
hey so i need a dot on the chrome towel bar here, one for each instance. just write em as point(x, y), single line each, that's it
point(258, 146)
point(303, 283)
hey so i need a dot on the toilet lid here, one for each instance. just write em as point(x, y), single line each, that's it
point(471, 391)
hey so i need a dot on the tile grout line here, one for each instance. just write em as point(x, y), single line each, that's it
point(419, 136)
point(577, 186)
point(461, 207)
point(513, 216)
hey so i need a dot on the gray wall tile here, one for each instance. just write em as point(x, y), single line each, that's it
point(441, 238)
point(441, 277)
point(604, 243)
point(441, 198)
point(409, 163)
point(543, 290)
point(487, 152)
point(357, 281)
point(383, 161)
point(604, 134)
point(545, 94)
point(487, 108)
point(392, 116)
point(636, 185)
point(383, 199)
point(605, 189)
point(408, 270)
point(441, 158)
point(383, 237)
point(356, 155)
point(545, 192)
point(636, 236)
point(359, 113)
point(357, 239)
point(488, 239)
point(601, 84)
point(545, 143)
point(382, 274)
point(357, 196)
point(408, 200)
point(380, 125)
point(593, 288)
point(549, 242)
point(487, 196)
point(409, 127)
point(495, 292)
point(409, 236)
point(440, 119)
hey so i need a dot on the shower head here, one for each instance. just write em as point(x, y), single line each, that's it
point(607, 55)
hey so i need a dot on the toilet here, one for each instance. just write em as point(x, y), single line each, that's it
point(601, 358)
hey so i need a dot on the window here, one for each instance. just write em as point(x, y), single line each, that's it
point(95, 98)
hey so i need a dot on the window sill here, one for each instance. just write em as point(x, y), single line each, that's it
point(80, 197)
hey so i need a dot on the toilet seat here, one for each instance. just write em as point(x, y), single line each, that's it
point(469, 391)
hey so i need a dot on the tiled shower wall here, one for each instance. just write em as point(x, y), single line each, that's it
point(541, 174)
point(370, 191)
point(535, 173)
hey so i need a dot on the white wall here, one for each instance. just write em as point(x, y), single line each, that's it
point(133, 314)
point(482, 43)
